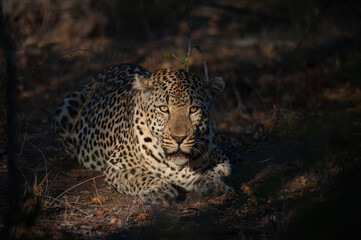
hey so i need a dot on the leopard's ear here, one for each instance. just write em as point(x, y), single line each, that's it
point(144, 85)
point(214, 88)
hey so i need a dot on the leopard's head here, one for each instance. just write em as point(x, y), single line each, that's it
point(177, 109)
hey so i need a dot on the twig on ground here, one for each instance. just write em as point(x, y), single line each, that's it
point(96, 190)
point(66, 210)
point(72, 188)
point(64, 203)
point(51, 184)
point(73, 207)
point(37, 187)
point(26, 184)
point(46, 165)
point(22, 147)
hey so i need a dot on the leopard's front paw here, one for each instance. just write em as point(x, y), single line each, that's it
point(159, 195)
point(213, 186)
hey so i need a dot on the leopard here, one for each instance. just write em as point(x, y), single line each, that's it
point(151, 134)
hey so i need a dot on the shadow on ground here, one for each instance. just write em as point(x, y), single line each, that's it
point(289, 119)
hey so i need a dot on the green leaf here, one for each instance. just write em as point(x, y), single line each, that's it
point(198, 48)
point(168, 54)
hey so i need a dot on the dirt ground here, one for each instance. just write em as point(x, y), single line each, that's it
point(289, 118)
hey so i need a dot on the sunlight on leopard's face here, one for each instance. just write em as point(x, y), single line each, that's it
point(177, 114)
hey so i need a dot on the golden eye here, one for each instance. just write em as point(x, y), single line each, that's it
point(193, 109)
point(164, 109)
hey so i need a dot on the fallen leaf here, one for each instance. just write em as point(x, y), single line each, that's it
point(143, 216)
point(246, 188)
point(303, 180)
point(100, 212)
point(117, 221)
point(95, 201)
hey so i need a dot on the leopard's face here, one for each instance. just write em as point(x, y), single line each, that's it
point(177, 109)
point(180, 123)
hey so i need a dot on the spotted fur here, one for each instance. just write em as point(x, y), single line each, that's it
point(148, 132)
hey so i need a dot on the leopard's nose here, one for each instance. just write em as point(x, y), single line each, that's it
point(179, 139)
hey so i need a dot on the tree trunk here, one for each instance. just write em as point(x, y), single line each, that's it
point(12, 215)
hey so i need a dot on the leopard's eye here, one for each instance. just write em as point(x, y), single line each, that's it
point(164, 109)
point(193, 109)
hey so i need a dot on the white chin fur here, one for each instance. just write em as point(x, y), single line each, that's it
point(179, 159)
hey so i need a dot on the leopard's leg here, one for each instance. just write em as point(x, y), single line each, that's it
point(138, 182)
point(211, 182)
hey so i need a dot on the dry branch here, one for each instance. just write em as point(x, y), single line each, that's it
point(91, 179)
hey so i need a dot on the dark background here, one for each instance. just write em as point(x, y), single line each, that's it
point(289, 118)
